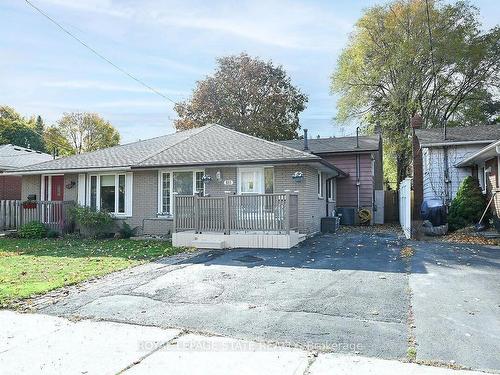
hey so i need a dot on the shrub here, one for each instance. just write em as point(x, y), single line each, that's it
point(467, 206)
point(126, 231)
point(52, 233)
point(32, 230)
point(93, 224)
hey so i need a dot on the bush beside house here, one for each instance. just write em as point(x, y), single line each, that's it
point(467, 206)
point(92, 224)
point(32, 230)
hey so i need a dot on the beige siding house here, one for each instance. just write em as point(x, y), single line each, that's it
point(207, 187)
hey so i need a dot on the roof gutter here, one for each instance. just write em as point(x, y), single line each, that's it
point(345, 152)
point(252, 162)
point(64, 171)
point(128, 168)
point(460, 143)
point(467, 162)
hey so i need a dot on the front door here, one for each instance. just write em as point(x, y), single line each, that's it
point(57, 188)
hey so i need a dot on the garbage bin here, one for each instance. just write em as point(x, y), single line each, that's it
point(434, 210)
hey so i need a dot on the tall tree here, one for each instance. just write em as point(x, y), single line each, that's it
point(248, 95)
point(56, 143)
point(39, 125)
point(412, 56)
point(17, 130)
point(84, 132)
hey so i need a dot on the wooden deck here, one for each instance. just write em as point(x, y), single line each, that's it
point(275, 213)
point(257, 220)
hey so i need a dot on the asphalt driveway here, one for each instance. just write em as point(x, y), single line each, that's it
point(349, 292)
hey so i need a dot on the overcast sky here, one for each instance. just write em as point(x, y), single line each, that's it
point(170, 45)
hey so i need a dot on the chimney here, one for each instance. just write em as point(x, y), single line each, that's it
point(306, 146)
point(418, 174)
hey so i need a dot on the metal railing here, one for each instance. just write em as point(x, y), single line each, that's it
point(245, 213)
point(54, 214)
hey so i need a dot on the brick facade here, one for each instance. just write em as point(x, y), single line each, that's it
point(418, 174)
point(145, 195)
point(10, 187)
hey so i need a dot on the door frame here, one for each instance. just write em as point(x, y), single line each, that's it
point(48, 188)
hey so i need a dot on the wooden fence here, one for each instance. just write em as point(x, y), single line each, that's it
point(262, 212)
point(54, 214)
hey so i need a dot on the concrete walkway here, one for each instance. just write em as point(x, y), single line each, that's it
point(42, 344)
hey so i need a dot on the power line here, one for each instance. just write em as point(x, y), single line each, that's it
point(98, 54)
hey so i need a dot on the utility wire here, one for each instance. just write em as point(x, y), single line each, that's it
point(98, 54)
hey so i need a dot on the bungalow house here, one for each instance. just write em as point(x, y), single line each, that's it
point(361, 158)
point(437, 155)
point(208, 187)
point(483, 165)
point(12, 157)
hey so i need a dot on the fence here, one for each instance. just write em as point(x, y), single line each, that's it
point(262, 212)
point(54, 214)
point(405, 206)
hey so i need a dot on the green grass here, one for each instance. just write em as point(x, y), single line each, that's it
point(29, 267)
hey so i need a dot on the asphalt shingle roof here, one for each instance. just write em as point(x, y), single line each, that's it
point(210, 144)
point(218, 144)
point(12, 157)
point(486, 133)
point(336, 144)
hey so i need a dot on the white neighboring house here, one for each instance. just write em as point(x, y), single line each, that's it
point(441, 155)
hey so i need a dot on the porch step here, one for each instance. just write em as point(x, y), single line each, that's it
point(207, 244)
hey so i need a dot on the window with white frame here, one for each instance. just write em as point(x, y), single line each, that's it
point(177, 182)
point(111, 192)
point(481, 175)
point(320, 184)
point(256, 180)
point(331, 185)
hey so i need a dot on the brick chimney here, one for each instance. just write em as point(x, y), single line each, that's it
point(418, 174)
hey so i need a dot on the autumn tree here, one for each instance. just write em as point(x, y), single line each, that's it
point(57, 143)
point(83, 132)
point(246, 94)
point(18, 130)
point(417, 56)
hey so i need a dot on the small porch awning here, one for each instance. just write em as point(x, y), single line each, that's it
point(488, 152)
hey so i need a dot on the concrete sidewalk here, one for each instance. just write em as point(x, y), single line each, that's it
point(41, 344)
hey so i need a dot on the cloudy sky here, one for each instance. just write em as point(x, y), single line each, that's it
point(170, 45)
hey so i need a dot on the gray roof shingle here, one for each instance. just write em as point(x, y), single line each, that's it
point(210, 144)
point(486, 133)
point(218, 144)
point(12, 157)
point(336, 144)
point(125, 155)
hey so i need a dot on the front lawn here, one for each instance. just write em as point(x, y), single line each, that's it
point(29, 267)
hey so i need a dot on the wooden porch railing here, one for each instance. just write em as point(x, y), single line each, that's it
point(54, 214)
point(263, 212)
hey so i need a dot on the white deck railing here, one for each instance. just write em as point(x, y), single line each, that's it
point(245, 213)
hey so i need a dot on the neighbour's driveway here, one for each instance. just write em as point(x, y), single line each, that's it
point(348, 292)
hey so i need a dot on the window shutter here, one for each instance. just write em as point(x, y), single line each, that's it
point(82, 179)
point(128, 193)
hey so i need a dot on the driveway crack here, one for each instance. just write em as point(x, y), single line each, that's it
point(160, 347)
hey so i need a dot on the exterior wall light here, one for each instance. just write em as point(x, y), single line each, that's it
point(298, 176)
